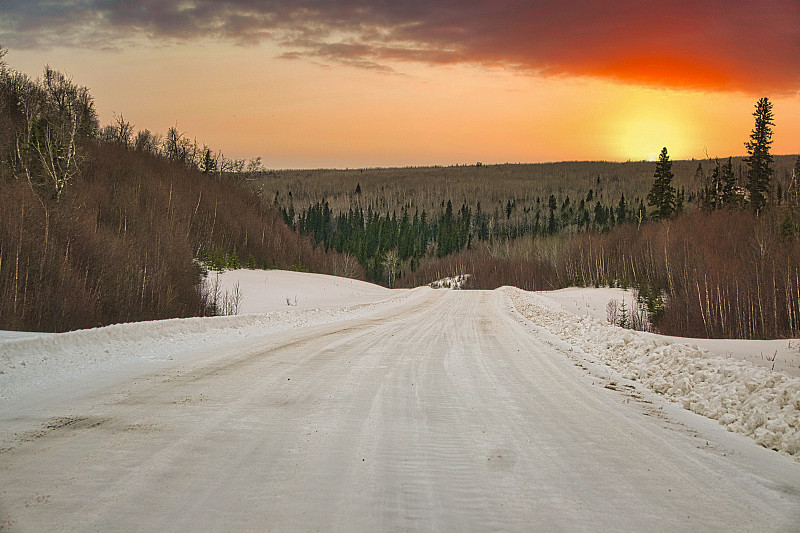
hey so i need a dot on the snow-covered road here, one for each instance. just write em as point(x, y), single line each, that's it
point(443, 411)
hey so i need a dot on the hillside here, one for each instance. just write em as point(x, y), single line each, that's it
point(97, 229)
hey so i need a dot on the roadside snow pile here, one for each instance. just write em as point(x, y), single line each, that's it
point(456, 282)
point(748, 399)
point(28, 364)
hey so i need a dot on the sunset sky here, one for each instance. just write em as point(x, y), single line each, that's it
point(308, 84)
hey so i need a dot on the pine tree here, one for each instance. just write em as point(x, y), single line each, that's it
point(662, 194)
point(699, 174)
point(793, 192)
point(730, 196)
point(759, 175)
point(680, 198)
point(712, 192)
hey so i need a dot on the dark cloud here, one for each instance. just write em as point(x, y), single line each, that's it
point(743, 45)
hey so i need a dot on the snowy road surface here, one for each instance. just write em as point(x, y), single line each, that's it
point(445, 411)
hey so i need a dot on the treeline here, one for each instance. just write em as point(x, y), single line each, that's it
point(95, 231)
point(391, 246)
point(493, 186)
point(176, 146)
point(391, 240)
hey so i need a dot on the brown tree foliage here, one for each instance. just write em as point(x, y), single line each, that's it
point(486, 272)
point(721, 274)
point(120, 244)
point(725, 274)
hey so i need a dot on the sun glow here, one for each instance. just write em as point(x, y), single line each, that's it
point(642, 137)
point(650, 120)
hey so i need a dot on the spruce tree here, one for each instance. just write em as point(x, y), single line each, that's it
point(680, 197)
point(622, 210)
point(730, 196)
point(662, 194)
point(712, 195)
point(793, 192)
point(759, 174)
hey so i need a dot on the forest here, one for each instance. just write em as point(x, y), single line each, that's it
point(103, 224)
point(434, 212)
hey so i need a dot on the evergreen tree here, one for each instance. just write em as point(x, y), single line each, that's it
point(730, 196)
point(600, 215)
point(641, 213)
point(699, 174)
point(208, 164)
point(793, 191)
point(759, 174)
point(712, 192)
point(662, 194)
point(584, 219)
point(552, 227)
point(622, 210)
point(679, 201)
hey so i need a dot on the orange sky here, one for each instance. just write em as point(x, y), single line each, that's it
point(350, 84)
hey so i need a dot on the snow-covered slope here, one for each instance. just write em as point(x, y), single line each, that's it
point(782, 355)
point(266, 291)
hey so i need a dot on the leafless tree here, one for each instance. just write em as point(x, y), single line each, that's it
point(120, 132)
point(58, 115)
point(345, 265)
point(147, 142)
point(392, 263)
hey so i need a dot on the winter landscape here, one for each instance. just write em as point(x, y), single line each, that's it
point(399, 266)
point(355, 407)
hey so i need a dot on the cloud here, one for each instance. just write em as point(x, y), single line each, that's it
point(719, 45)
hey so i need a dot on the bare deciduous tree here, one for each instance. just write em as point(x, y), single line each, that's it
point(345, 265)
point(147, 142)
point(58, 115)
point(392, 263)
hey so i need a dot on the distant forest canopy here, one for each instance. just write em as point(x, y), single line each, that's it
point(437, 211)
point(104, 224)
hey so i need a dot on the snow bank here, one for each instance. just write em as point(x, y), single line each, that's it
point(746, 398)
point(30, 363)
point(782, 355)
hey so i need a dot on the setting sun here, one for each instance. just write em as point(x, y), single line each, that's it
point(642, 137)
